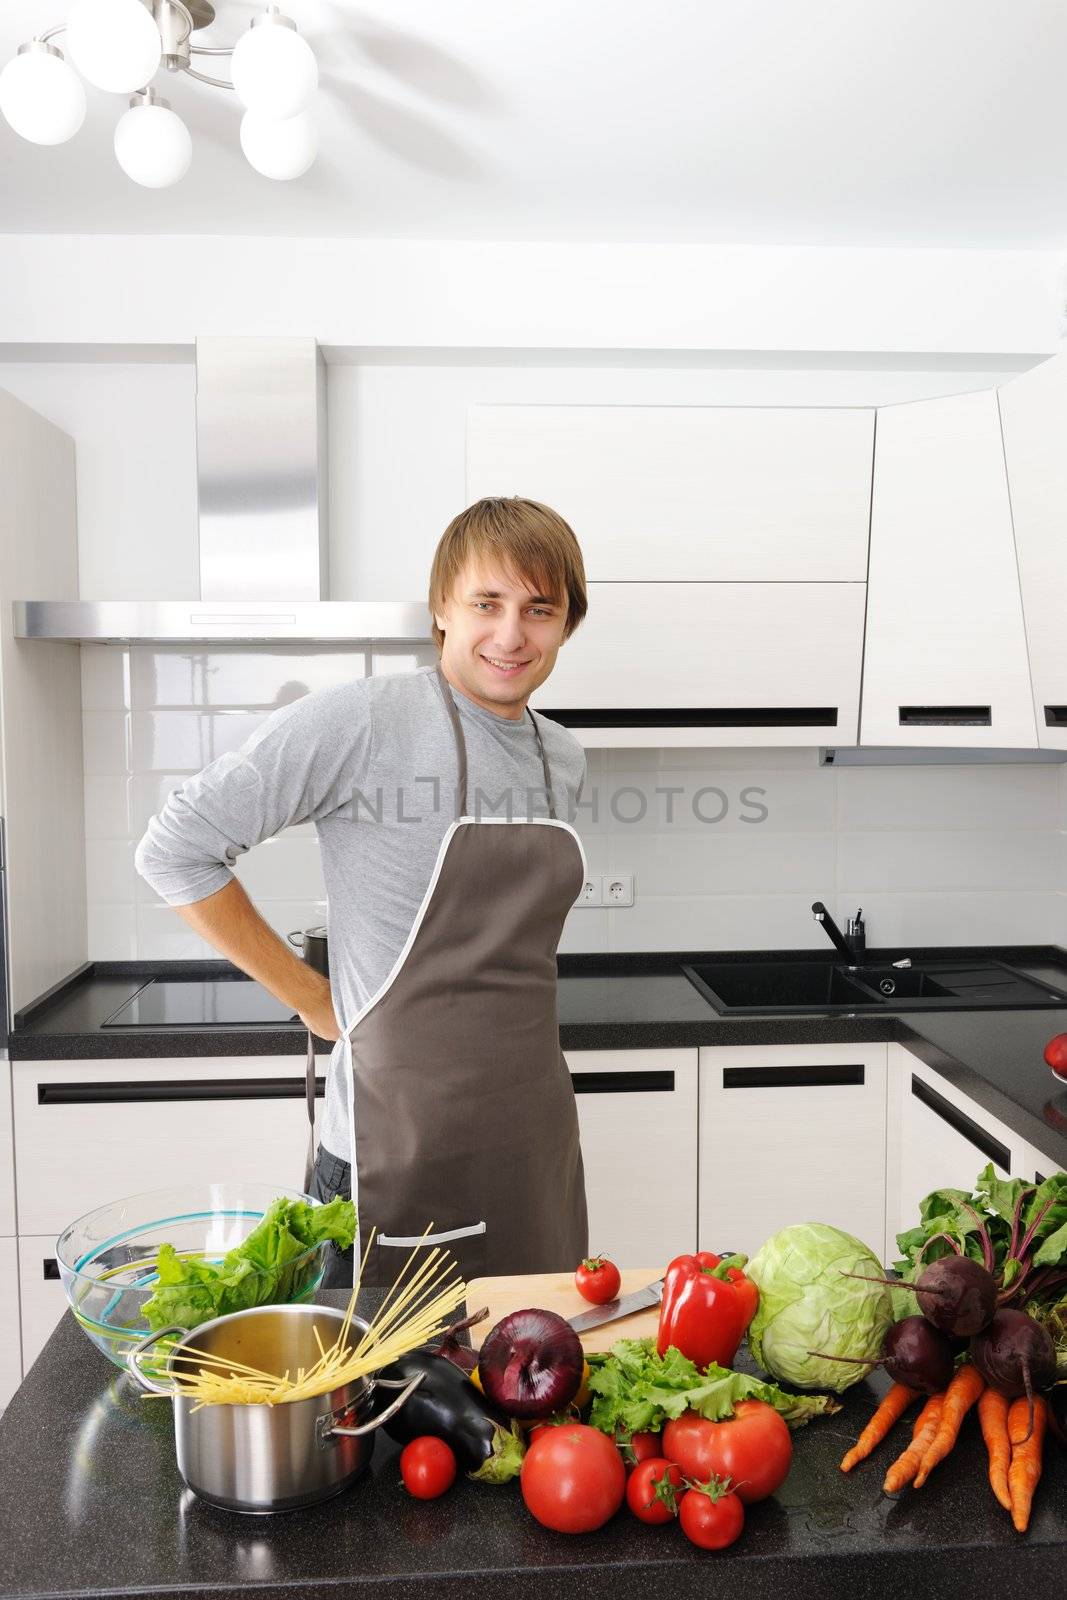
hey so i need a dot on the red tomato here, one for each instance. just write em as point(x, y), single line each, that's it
point(652, 1489)
point(573, 1478)
point(597, 1279)
point(752, 1448)
point(711, 1517)
point(640, 1447)
point(1056, 1054)
point(427, 1467)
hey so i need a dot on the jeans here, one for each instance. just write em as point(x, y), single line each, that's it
point(332, 1177)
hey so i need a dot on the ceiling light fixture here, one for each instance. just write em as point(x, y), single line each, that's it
point(120, 45)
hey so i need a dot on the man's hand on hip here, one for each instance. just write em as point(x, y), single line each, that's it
point(231, 924)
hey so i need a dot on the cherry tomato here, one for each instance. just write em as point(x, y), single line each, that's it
point(640, 1447)
point(652, 1489)
point(753, 1448)
point(597, 1279)
point(1056, 1054)
point(573, 1478)
point(711, 1515)
point(427, 1467)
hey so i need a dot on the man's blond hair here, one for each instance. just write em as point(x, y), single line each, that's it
point(525, 538)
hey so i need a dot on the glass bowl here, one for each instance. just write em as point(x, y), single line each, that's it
point(107, 1259)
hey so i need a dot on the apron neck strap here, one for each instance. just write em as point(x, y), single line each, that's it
point(461, 748)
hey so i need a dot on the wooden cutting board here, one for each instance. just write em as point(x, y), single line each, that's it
point(555, 1291)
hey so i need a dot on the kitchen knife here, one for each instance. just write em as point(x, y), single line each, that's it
point(612, 1310)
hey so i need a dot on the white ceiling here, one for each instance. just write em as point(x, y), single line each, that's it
point(824, 122)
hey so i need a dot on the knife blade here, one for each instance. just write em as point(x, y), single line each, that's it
point(612, 1310)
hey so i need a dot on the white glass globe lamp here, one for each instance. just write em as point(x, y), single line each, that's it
point(152, 143)
point(41, 96)
point(274, 70)
point(279, 149)
point(115, 44)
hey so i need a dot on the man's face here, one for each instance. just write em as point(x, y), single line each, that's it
point(501, 638)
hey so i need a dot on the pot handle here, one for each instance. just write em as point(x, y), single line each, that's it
point(408, 1386)
point(133, 1365)
point(296, 938)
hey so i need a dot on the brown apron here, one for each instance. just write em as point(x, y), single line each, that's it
point(461, 1107)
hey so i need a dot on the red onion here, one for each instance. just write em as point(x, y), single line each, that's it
point(531, 1364)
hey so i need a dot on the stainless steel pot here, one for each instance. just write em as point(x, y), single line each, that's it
point(314, 946)
point(260, 1458)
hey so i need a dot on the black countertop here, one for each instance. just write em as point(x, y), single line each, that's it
point(635, 1001)
point(91, 1504)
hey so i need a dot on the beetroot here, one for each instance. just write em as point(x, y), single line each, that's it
point(919, 1355)
point(1015, 1355)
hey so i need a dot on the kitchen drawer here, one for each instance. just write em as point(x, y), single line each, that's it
point(90, 1132)
point(7, 1155)
point(44, 1300)
point(637, 1112)
point(945, 1139)
point(791, 1133)
point(10, 1340)
point(690, 493)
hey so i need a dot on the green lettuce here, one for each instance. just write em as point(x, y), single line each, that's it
point(272, 1266)
point(636, 1391)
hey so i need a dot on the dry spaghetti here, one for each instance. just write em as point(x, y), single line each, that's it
point(414, 1311)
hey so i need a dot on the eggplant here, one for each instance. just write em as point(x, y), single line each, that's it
point(486, 1443)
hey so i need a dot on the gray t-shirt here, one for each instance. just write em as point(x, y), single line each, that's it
point(373, 764)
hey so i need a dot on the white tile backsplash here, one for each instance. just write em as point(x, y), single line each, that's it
point(728, 849)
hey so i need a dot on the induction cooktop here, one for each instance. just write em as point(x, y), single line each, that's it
point(194, 1003)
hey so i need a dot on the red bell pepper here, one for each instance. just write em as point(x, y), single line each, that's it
point(707, 1305)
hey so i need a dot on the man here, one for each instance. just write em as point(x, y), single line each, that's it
point(441, 806)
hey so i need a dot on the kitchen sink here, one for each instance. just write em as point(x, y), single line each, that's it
point(770, 987)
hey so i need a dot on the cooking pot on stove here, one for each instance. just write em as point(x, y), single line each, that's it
point(259, 1458)
point(314, 947)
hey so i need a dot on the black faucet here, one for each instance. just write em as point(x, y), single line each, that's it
point(853, 944)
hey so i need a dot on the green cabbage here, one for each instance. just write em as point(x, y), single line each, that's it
point(807, 1303)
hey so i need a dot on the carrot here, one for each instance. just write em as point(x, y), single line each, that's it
point(1025, 1470)
point(906, 1466)
point(993, 1415)
point(892, 1408)
point(961, 1394)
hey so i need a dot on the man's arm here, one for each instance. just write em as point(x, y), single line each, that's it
point(231, 924)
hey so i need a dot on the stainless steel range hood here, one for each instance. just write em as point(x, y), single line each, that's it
point(263, 549)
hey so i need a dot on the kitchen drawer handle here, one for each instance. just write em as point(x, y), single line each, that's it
point(946, 716)
point(998, 1153)
point(117, 1094)
point(800, 1077)
point(1056, 716)
point(696, 717)
point(623, 1082)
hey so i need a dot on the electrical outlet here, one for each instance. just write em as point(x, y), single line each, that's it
point(619, 889)
point(592, 893)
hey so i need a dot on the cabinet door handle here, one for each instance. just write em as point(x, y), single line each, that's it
point(1056, 716)
point(945, 716)
point(813, 1076)
point(623, 1082)
point(695, 716)
point(117, 1094)
point(998, 1153)
point(51, 1269)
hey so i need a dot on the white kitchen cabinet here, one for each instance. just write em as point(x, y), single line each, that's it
point(1033, 410)
point(44, 1300)
point(637, 1111)
point(945, 659)
point(945, 1139)
point(92, 1131)
point(791, 1133)
point(10, 1342)
point(689, 493)
point(742, 663)
point(7, 1154)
